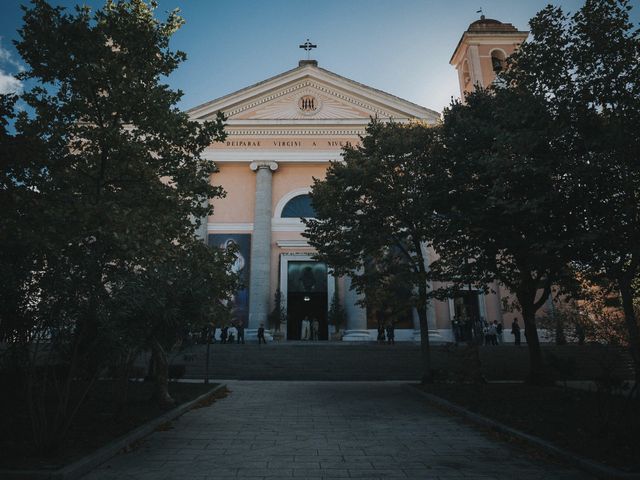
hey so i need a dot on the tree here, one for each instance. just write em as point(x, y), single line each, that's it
point(113, 178)
point(586, 66)
point(278, 315)
point(336, 315)
point(184, 290)
point(502, 204)
point(373, 205)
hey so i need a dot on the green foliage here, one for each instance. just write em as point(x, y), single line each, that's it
point(278, 315)
point(560, 123)
point(502, 201)
point(336, 315)
point(99, 185)
point(376, 206)
point(585, 65)
point(182, 291)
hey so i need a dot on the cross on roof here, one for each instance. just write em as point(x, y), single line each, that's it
point(308, 46)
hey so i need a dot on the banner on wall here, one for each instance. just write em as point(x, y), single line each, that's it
point(241, 266)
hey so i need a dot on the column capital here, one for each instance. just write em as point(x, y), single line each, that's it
point(273, 166)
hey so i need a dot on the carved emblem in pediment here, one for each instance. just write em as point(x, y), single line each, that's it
point(306, 100)
point(309, 105)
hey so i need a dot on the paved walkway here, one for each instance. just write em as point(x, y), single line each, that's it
point(314, 430)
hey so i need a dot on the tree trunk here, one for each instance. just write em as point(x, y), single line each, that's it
point(425, 348)
point(121, 380)
point(626, 292)
point(208, 356)
point(161, 374)
point(537, 374)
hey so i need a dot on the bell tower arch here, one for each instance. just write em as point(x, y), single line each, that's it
point(482, 51)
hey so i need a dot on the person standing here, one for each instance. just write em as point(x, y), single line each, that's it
point(500, 330)
point(457, 329)
point(391, 334)
point(240, 329)
point(232, 333)
point(492, 334)
point(315, 329)
point(304, 330)
point(261, 338)
point(515, 331)
point(380, 333)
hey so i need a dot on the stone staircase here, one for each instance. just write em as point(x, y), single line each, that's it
point(369, 361)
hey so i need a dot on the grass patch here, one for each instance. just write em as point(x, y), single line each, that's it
point(597, 426)
point(98, 423)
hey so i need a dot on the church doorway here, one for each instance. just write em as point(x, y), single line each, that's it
point(307, 296)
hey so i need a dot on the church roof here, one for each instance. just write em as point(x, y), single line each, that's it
point(368, 99)
point(488, 27)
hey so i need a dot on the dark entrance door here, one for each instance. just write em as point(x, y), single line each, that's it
point(467, 311)
point(306, 295)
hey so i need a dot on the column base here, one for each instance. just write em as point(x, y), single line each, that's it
point(357, 336)
point(434, 336)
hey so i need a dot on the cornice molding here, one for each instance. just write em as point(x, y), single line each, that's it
point(324, 156)
point(293, 244)
point(259, 132)
point(230, 227)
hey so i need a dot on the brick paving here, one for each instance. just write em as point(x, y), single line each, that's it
point(322, 430)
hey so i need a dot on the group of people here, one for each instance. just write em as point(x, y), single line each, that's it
point(309, 329)
point(231, 333)
point(493, 332)
point(387, 333)
point(234, 333)
point(490, 332)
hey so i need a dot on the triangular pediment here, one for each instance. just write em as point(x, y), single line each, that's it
point(309, 93)
point(306, 100)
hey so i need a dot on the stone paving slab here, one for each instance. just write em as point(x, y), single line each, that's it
point(325, 430)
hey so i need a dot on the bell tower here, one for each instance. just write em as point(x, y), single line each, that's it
point(482, 50)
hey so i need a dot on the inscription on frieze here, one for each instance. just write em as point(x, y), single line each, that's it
point(301, 143)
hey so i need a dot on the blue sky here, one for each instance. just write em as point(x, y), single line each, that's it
point(400, 46)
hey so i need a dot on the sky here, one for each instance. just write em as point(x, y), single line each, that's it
point(400, 46)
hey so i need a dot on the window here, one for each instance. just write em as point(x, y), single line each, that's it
point(497, 60)
point(298, 207)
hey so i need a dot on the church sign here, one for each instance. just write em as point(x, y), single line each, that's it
point(287, 143)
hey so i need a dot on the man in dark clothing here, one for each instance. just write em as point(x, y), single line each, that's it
point(261, 338)
point(240, 329)
point(391, 335)
point(515, 330)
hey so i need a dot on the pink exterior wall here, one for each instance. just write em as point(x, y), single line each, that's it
point(290, 177)
point(239, 182)
point(486, 74)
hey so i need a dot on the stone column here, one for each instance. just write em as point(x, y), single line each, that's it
point(497, 301)
point(202, 230)
point(356, 330)
point(260, 270)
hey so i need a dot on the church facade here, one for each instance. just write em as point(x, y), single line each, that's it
point(282, 133)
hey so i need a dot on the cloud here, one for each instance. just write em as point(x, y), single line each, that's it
point(9, 83)
point(6, 57)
